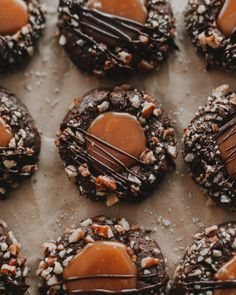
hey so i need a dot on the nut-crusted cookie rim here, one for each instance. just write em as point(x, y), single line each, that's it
point(200, 144)
point(19, 159)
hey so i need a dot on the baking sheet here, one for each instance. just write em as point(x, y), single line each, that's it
point(41, 207)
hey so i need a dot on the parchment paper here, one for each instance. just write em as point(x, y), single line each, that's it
point(41, 207)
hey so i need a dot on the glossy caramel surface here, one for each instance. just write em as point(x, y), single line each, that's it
point(107, 258)
point(5, 134)
point(120, 130)
point(227, 18)
point(13, 16)
point(226, 273)
point(227, 146)
point(131, 9)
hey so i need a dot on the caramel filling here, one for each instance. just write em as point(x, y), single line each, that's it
point(131, 9)
point(5, 134)
point(227, 146)
point(101, 258)
point(227, 18)
point(120, 130)
point(13, 16)
point(226, 273)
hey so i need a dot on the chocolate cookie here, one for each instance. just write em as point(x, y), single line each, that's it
point(19, 142)
point(13, 269)
point(117, 144)
point(103, 256)
point(212, 29)
point(109, 37)
point(21, 24)
point(210, 147)
point(208, 267)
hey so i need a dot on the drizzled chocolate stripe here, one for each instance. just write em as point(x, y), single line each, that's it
point(13, 152)
point(9, 287)
point(122, 181)
point(225, 128)
point(208, 286)
point(20, 155)
point(110, 146)
point(111, 158)
point(114, 23)
point(151, 287)
point(113, 27)
point(232, 155)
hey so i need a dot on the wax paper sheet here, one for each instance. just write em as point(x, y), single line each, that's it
point(40, 209)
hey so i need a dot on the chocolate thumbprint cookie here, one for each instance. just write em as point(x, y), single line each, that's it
point(21, 24)
point(19, 142)
point(117, 144)
point(210, 147)
point(103, 256)
point(106, 37)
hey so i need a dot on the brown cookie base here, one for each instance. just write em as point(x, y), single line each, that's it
point(137, 183)
point(119, 230)
point(19, 160)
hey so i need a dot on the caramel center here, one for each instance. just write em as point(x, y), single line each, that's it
point(225, 273)
point(120, 130)
point(101, 258)
point(227, 18)
point(13, 16)
point(5, 134)
point(227, 146)
point(131, 9)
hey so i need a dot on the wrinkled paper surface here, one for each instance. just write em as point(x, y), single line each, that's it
point(40, 208)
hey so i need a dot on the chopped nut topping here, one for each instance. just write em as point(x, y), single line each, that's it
point(106, 181)
point(76, 235)
point(211, 230)
point(112, 200)
point(148, 109)
point(14, 250)
point(148, 157)
point(84, 171)
point(148, 262)
point(102, 230)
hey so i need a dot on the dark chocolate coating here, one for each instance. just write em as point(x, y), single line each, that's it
point(133, 184)
point(16, 49)
point(218, 50)
point(138, 54)
point(24, 148)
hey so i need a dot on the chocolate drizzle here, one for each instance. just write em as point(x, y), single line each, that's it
point(9, 287)
point(119, 29)
point(21, 156)
point(151, 287)
point(207, 286)
point(231, 149)
point(81, 156)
